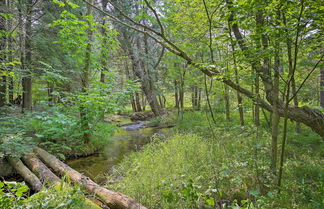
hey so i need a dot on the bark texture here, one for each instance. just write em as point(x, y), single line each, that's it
point(322, 88)
point(41, 170)
point(28, 176)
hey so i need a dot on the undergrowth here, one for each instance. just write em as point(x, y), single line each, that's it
point(207, 165)
point(15, 195)
point(56, 129)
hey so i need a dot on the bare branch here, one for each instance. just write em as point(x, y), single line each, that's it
point(156, 16)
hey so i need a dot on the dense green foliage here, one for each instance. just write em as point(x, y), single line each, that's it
point(202, 166)
point(55, 129)
point(241, 81)
point(16, 195)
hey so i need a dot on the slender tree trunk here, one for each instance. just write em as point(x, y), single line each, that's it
point(238, 95)
point(207, 99)
point(193, 97)
point(3, 55)
point(290, 64)
point(85, 82)
point(143, 101)
point(176, 94)
point(181, 97)
point(133, 104)
point(50, 97)
point(227, 99)
point(275, 112)
point(291, 75)
point(138, 102)
point(256, 105)
point(27, 79)
point(199, 98)
point(321, 87)
point(10, 80)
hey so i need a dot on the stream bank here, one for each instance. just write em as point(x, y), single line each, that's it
point(130, 138)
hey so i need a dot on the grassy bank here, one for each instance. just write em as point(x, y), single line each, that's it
point(204, 165)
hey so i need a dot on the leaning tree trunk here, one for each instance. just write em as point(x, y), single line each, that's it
point(114, 200)
point(28, 176)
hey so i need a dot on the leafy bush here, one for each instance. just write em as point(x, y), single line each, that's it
point(15, 195)
point(12, 194)
point(59, 197)
point(60, 133)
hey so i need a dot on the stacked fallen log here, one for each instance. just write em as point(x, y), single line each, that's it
point(41, 170)
point(28, 176)
point(113, 200)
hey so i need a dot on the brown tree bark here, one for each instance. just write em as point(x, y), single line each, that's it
point(138, 102)
point(3, 55)
point(176, 94)
point(40, 169)
point(28, 176)
point(27, 65)
point(114, 200)
point(322, 87)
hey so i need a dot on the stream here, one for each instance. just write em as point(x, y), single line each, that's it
point(124, 142)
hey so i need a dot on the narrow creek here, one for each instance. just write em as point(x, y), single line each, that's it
point(132, 138)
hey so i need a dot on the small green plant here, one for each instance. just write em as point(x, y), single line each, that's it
point(12, 194)
point(59, 197)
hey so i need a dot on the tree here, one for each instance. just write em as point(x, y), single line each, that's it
point(322, 87)
point(27, 60)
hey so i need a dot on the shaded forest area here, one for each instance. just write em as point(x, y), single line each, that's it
point(241, 83)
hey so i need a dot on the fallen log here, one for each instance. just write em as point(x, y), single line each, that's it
point(113, 200)
point(41, 170)
point(28, 176)
point(48, 177)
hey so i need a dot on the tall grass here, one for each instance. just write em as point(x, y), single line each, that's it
point(206, 165)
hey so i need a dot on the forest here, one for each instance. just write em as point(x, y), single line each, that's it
point(161, 104)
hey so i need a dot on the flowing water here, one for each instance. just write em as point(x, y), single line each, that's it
point(130, 139)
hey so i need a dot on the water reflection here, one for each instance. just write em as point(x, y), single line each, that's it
point(123, 143)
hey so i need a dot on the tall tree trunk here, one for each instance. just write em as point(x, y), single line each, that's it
point(207, 99)
point(27, 79)
point(176, 94)
point(227, 98)
point(275, 113)
point(138, 102)
point(238, 95)
point(143, 101)
point(321, 99)
point(199, 98)
point(3, 54)
point(50, 97)
point(256, 105)
point(290, 65)
point(85, 81)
